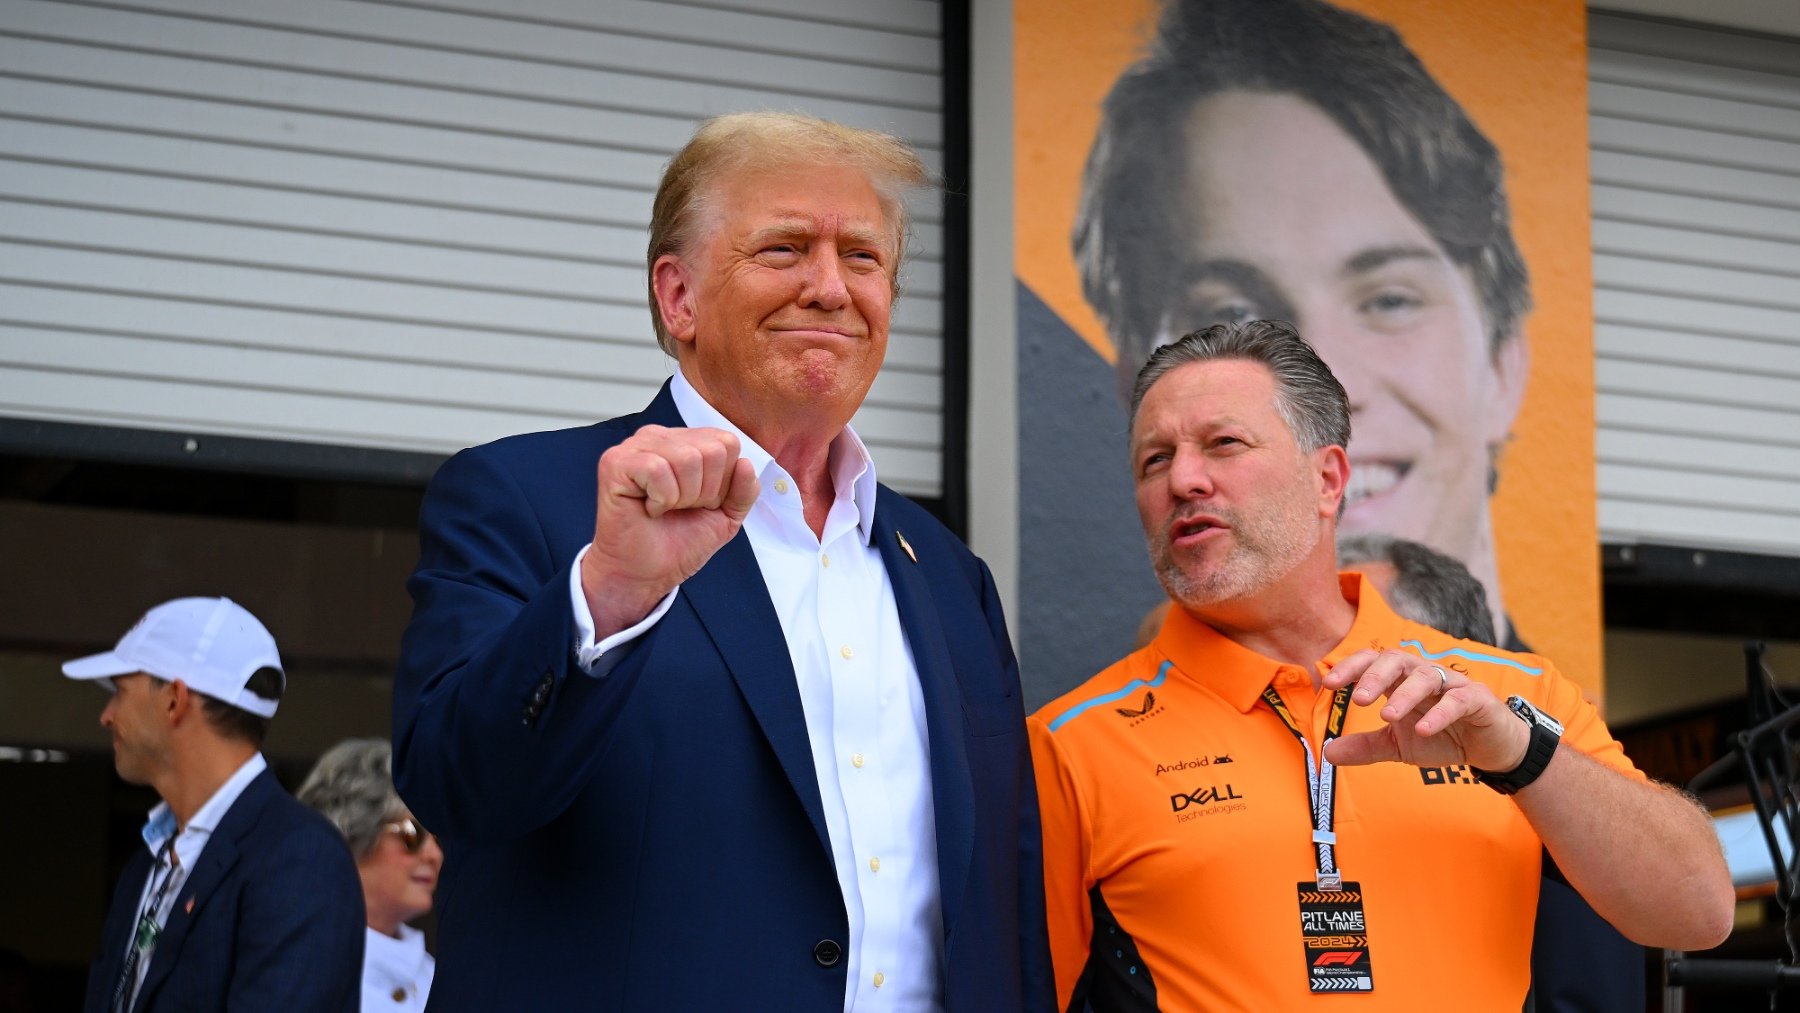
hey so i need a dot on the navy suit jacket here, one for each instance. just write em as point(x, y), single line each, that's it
point(654, 839)
point(270, 918)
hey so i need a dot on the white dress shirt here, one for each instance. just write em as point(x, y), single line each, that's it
point(397, 973)
point(159, 828)
point(865, 712)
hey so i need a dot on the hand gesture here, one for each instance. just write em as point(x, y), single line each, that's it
point(669, 499)
point(1436, 717)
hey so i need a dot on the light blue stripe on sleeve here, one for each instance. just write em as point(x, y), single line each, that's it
point(1129, 688)
point(1492, 659)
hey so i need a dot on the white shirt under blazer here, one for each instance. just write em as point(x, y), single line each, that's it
point(865, 712)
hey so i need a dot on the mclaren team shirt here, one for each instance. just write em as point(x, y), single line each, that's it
point(1179, 838)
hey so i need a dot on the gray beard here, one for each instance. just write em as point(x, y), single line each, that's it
point(1266, 552)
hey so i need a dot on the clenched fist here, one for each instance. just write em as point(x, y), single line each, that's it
point(669, 499)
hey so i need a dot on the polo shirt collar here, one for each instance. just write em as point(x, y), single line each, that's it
point(1239, 674)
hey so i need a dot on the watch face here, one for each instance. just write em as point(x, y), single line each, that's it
point(1524, 709)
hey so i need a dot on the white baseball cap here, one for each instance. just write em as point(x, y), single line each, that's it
point(211, 644)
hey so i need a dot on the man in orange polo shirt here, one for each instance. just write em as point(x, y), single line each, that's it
point(1220, 829)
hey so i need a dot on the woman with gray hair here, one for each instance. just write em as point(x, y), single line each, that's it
point(398, 861)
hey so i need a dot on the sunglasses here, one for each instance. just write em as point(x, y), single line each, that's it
point(412, 836)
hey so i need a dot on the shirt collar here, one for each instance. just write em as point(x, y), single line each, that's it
point(1239, 674)
point(160, 826)
point(401, 957)
point(852, 469)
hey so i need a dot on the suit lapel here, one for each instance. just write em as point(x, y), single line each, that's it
point(952, 791)
point(115, 937)
point(216, 862)
point(732, 601)
point(729, 596)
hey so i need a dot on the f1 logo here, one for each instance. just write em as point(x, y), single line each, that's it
point(1331, 958)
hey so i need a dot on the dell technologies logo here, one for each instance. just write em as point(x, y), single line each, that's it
point(1206, 800)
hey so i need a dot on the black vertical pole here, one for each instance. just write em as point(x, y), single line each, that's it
point(957, 340)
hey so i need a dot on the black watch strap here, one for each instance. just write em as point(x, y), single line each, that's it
point(1546, 732)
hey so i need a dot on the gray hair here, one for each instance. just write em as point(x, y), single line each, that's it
point(1429, 587)
point(1307, 395)
point(352, 785)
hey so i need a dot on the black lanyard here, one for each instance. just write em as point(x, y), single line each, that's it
point(1321, 780)
point(144, 927)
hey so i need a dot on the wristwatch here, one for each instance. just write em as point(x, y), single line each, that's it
point(1546, 732)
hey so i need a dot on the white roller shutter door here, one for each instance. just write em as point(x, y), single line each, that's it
point(413, 227)
point(1696, 197)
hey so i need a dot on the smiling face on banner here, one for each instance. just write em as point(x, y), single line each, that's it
point(1371, 172)
point(1290, 220)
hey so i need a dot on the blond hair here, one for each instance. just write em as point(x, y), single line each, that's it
point(684, 209)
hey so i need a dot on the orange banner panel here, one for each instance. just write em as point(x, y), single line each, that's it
point(1519, 71)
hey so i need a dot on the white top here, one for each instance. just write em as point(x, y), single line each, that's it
point(396, 972)
point(158, 829)
point(865, 712)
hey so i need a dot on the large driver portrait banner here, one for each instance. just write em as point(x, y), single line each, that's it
point(1406, 182)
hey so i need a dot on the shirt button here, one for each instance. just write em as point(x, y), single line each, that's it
point(856, 760)
point(846, 652)
point(879, 979)
point(874, 865)
point(825, 559)
point(781, 486)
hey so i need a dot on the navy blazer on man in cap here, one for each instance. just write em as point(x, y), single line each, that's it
point(271, 918)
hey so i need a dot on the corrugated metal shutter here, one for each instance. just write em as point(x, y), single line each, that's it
point(1696, 195)
point(409, 226)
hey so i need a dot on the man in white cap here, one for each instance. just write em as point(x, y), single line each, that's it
point(241, 897)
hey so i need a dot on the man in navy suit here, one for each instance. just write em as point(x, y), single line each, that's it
point(241, 897)
point(704, 717)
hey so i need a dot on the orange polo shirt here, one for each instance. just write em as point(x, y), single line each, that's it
point(1177, 830)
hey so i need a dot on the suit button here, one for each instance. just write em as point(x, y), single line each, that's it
point(827, 952)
